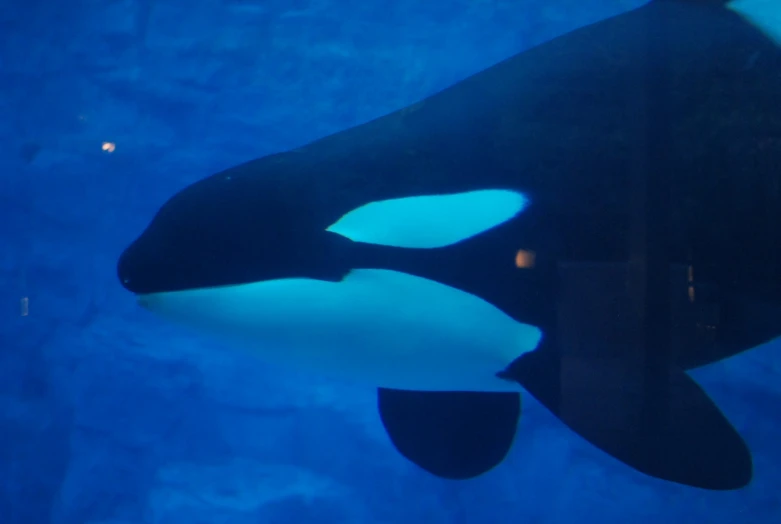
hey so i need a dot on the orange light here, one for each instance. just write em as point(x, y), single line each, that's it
point(108, 147)
point(524, 259)
point(690, 275)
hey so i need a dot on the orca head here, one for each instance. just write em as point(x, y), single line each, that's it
point(276, 267)
point(236, 227)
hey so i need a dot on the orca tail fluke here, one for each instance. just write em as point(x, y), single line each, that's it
point(666, 427)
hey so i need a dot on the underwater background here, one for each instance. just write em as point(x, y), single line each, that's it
point(110, 416)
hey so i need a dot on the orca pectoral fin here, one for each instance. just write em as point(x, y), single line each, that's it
point(454, 435)
point(666, 427)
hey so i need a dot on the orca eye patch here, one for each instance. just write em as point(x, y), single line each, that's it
point(430, 221)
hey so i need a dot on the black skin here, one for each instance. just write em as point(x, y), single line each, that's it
point(680, 95)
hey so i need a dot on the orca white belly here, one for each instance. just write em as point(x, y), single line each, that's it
point(380, 327)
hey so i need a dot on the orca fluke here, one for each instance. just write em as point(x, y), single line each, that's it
point(452, 434)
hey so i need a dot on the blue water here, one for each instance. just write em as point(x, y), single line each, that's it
point(110, 416)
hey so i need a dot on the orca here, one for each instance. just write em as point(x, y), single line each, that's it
point(584, 222)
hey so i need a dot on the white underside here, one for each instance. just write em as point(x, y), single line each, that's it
point(379, 327)
point(762, 14)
